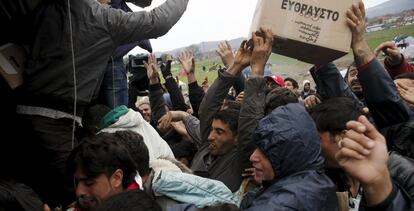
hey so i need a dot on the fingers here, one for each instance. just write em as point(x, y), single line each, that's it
point(269, 36)
point(353, 145)
point(165, 121)
point(356, 126)
point(243, 44)
point(350, 13)
point(357, 12)
point(345, 154)
point(257, 40)
point(351, 24)
point(362, 9)
point(383, 46)
point(228, 45)
point(146, 65)
point(402, 86)
point(311, 101)
point(371, 131)
point(249, 172)
point(153, 59)
point(359, 137)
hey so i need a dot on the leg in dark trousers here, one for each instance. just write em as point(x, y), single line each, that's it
point(45, 147)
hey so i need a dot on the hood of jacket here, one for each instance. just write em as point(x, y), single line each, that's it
point(122, 117)
point(289, 139)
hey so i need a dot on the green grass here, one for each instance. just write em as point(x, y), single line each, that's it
point(292, 67)
point(378, 37)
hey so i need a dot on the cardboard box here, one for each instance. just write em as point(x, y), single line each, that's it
point(12, 63)
point(313, 31)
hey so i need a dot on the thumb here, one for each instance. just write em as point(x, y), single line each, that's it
point(371, 132)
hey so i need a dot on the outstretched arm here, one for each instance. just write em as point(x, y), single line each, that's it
point(394, 62)
point(380, 92)
point(253, 105)
point(176, 96)
point(130, 27)
point(195, 92)
point(155, 90)
point(218, 90)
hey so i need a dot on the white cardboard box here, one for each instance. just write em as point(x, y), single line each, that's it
point(313, 31)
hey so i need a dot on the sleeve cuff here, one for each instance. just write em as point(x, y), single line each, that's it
point(365, 66)
point(384, 204)
point(193, 85)
point(154, 87)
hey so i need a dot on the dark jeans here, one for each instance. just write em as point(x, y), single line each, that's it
point(43, 146)
point(114, 89)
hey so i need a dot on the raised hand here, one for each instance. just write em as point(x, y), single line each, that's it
point(152, 70)
point(311, 101)
point(240, 97)
point(186, 59)
point(263, 42)
point(390, 50)
point(165, 121)
point(226, 53)
point(356, 23)
point(363, 155)
point(406, 92)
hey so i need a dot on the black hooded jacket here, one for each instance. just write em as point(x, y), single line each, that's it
point(289, 139)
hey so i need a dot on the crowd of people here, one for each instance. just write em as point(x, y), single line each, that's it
point(240, 143)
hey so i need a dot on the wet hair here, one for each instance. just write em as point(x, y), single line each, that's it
point(406, 75)
point(333, 114)
point(136, 146)
point(230, 117)
point(102, 154)
point(133, 200)
point(293, 81)
point(279, 97)
point(18, 197)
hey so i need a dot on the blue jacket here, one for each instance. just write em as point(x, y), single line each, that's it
point(192, 189)
point(289, 139)
point(380, 92)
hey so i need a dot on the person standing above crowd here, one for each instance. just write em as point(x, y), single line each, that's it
point(72, 42)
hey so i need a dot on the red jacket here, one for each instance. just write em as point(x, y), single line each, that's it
point(395, 70)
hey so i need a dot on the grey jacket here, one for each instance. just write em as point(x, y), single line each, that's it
point(96, 32)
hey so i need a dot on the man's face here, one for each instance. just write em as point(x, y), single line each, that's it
point(329, 149)
point(91, 192)
point(289, 85)
point(145, 109)
point(306, 87)
point(221, 138)
point(263, 170)
point(353, 81)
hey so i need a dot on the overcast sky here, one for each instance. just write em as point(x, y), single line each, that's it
point(211, 20)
